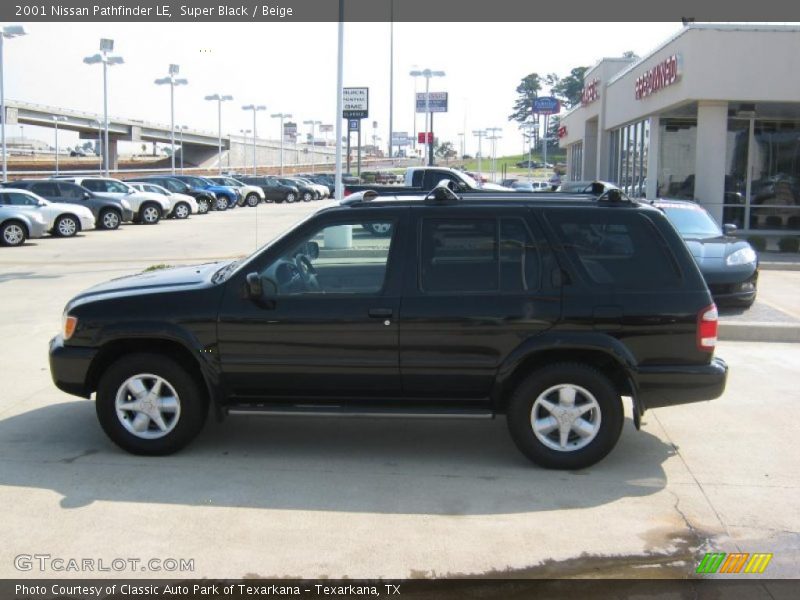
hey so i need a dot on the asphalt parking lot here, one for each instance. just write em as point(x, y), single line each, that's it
point(317, 498)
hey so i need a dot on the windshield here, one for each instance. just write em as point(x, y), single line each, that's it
point(691, 221)
point(470, 181)
point(195, 181)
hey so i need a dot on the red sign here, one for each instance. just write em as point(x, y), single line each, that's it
point(591, 92)
point(421, 137)
point(660, 76)
point(562, 131)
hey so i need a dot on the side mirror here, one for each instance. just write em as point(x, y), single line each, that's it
point(254, 288)
point(729, 228)
point(260, 290)
point(41, 203)
point(87, 195)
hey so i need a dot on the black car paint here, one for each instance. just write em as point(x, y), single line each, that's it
point(443, 350)
point(274, 190)
point(177, 186)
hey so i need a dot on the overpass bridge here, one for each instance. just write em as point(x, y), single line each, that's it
point(200, 147)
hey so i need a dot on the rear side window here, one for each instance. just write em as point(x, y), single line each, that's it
point(616, 248)
point(45, 188)
point(70, 190)
point(478, 255)
point(94, 185)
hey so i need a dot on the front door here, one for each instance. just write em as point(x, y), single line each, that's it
point(326, 324)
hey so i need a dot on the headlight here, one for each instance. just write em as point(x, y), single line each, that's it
point(68, 326)
point(125, 204)
point(743, 256)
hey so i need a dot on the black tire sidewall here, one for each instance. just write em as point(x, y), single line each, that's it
point(250, 198)
point(103, 213)
point(194, 407)
point(63, 218)
point(519, 412)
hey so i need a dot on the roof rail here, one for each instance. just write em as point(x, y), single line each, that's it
point(359, 197)
point(443, 192)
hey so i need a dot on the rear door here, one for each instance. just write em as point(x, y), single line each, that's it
point(47, 190)
point(480, 285)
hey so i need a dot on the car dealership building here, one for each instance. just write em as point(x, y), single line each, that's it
point(712, 114)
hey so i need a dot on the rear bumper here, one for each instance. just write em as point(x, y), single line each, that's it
point(680, 384)
point(127, 215)
point(69, 366)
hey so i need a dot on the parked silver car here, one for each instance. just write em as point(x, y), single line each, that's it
point(17, 225)
point(147, 208)
point(62, 219)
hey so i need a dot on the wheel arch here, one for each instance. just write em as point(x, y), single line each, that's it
point(68, 214)
point(600, 351)
point(18, 221)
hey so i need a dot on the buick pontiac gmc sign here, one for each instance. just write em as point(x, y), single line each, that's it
point(660, 76)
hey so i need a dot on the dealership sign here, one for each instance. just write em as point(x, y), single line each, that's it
point(290, 132)
point(355, 103)
point(437, 102)
point(562, 131)
point(591, 92)
point(400, 138)
point(546, 105)
point(664, 74)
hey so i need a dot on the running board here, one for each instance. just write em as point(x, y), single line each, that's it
point(326, 410)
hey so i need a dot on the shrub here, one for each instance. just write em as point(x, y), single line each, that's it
point(789, 244)
point(758, 242)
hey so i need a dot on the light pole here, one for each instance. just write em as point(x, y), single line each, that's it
point(313, 139)
point(281, 116)
point(480, 134)
point(492, 135)
point(338, 187)
point(172, 80)
point(56, 120)
point(255, 108)
point(220, 99)
point(529, 127)
point(244, 133)
point(104, 57)
point(414, 138)
point(461, 142)
point(7, 32)
point(427, 74)
point(99, 125)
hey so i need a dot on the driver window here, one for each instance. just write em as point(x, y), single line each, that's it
point(337, 259)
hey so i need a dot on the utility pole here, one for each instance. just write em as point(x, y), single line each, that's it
point(480, 134)
point(494, 137)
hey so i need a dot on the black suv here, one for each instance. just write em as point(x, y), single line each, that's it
point(274, 190)
point(206, 200)
point(547, 308)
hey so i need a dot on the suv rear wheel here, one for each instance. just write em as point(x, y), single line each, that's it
point(202, 206)
point(110, 218)
point(182, 210)
point(565, 416)
point(149, 404)
point(252, 199)
point(150, 214)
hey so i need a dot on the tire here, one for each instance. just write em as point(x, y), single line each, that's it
point(182, 419)
point(202, 206)
point(182, 211)
point(13, 233)
point(67, 226)
point(379, 229)
point(590, 390)
point(307, 196)
point(290, 197)
point(252, 199)
point(221, 203)
point(109, 219)
point(149, 214)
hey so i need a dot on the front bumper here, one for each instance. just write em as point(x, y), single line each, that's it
point(69, 367)
point(87, 223)
point(37, 229)
point(668, 385)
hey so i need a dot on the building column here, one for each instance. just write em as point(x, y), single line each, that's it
point(113, 154)
point(653, 151)
point(589, 170)
point(709, 173)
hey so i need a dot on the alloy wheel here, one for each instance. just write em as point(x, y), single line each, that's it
point(565, 417)
point(147, 406)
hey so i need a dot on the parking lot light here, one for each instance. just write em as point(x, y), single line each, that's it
point(107, 60)
point(172, 80)
point(99, 124)
point(7, 32)
point(244, 133)
point(281, 116)
point(56, 119)
point(182, 128)
point(427, 74)
point(220, 99)
point(313, 138)
point(255, 108)
point(480, 134)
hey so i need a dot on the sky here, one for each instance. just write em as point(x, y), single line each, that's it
point(291, 67)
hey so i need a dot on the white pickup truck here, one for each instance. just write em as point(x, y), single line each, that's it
point(424, 179)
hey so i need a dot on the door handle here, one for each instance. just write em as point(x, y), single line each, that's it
point(380, 313)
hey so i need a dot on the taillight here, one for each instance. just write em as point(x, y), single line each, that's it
point(347, 192)
point(707, 323)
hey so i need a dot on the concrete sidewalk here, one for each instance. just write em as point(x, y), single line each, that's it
point(779, 261)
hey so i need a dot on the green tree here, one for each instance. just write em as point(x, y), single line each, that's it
point(567, 89)
point(629, 54)
point(527, 91)
point(444, 149)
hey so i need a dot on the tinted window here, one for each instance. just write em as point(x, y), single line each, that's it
point(17, 199)
point(172, 185)
point(95, 185)
point(338, 268)
point(519, 257)
point(616, 248)
point(459, 255)
point(45, 188)
point(70, 190)
point(691, 221)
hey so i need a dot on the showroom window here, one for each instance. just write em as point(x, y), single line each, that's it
point(676, 158)
point(576, 161)
point(629, 148)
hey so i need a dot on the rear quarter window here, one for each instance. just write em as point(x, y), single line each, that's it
point(616, 248)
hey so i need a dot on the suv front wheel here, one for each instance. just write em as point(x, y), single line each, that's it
point(565, 416)
point(149, 404)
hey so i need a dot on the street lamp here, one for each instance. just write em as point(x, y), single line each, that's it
point(7, 32)
point(480, 134)
point(462, 144)
point(99, 124)
point(427, 74)
point(244, 133)
point(106, 46)
point(281, 116)
point(56, 120)
point(494, 137)
point(313, 139)
point(255, 108)
point(220, 99)
point(172, 80)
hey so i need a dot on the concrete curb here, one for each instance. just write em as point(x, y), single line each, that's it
point(758, 332)
point(779, 266)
